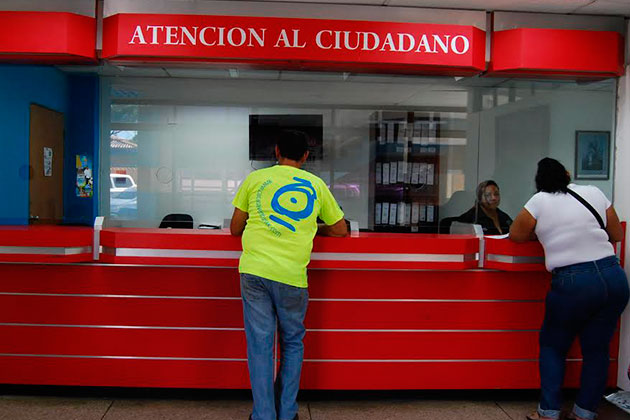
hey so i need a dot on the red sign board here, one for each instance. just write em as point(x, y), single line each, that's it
point(47, 37)
point(556, 52)
point(296, 43)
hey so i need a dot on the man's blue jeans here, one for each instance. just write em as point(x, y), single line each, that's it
point(585, 300)
point(268, 303)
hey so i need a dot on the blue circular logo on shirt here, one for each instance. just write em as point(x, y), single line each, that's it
point(302, 186)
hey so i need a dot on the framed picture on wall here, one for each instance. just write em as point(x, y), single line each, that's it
point(592, 155)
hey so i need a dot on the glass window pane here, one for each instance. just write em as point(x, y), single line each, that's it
point(399, 153)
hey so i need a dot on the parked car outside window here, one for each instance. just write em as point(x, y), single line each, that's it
point(123, 197)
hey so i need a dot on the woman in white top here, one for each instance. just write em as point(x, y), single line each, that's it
point(589, 289)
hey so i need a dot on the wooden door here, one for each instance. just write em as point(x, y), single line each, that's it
point(46, 166)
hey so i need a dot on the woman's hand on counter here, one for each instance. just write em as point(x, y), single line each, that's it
point(613, 225)
point(339, 229)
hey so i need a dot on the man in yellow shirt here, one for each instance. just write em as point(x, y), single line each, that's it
point(276, 211)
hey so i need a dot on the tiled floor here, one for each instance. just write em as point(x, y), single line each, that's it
point(54, 403)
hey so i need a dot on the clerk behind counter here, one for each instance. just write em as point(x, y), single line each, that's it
point(486, 210)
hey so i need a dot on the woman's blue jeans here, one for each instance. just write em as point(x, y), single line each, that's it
point(267, 304)
point(585, 300)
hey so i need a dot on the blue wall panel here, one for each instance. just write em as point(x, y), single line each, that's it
point(21, 86)
point(81, 139)
point(77, 97)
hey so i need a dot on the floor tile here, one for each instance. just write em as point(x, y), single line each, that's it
point(608, 411)
point(178, 409)
point(304, 411)
point(517, 410)
point(173, 405)
point(405, 410)
point(147, 409)
point(51, 408)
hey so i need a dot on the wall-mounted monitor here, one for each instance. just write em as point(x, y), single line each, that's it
point(264, 130)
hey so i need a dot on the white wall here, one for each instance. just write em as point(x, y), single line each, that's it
point(569, 110)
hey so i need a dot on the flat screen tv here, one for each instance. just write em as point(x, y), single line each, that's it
point(264, 130)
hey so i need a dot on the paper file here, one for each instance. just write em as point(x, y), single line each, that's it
point(393, 213)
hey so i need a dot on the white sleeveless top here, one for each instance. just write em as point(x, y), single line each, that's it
point(567, 230)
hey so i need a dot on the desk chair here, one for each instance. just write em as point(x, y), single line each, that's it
point(177, 221)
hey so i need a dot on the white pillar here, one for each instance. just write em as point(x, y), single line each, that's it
point(622, 205)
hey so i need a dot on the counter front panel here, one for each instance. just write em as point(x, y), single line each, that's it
point(149, 320)
point(503, 254)
point(101, 325)
point(434, 329)
point(46, 244)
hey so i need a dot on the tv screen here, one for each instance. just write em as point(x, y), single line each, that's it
point(264, 130)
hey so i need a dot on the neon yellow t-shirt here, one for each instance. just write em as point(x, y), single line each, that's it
point(283, 204)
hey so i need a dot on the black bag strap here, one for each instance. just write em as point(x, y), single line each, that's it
point(588, 206)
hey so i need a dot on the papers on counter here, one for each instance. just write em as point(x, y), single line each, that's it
point(498, 236)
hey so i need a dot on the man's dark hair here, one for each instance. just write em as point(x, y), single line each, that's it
point(552, 176)
point(292, 144)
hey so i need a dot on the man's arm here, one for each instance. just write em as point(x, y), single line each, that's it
point(239, 220)
point(339, 229)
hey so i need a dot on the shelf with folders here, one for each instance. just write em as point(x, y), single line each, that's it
point(406, 158)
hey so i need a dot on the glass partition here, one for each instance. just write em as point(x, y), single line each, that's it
point(400, 154)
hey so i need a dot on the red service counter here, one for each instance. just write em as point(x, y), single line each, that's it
point(501, 254)
point(162, 308)
point(46, 244)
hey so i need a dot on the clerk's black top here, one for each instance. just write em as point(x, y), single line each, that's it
point(476, 215)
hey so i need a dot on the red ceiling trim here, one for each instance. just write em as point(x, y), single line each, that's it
point(47, 37)
point(562, 53)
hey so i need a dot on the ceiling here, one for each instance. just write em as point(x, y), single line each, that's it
point(583, 7)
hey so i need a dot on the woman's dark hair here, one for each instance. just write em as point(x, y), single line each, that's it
point(292, 144)
point(551, 176)
point(481, 188)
